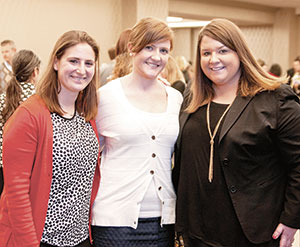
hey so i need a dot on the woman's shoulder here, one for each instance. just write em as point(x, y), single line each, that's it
point(109, 88)
point(109, 85)
point(110, 93)
point(175, 93)
point(285, 90)
point(34, 104)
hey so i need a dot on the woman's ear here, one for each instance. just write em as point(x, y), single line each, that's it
point(35, 75)
point(36, 71)
point(129, 47)
point(55, 64)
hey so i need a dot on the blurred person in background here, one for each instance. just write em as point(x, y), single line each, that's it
point(173, 75)
point(8, 50)
point(275, 70)
point(25, 67)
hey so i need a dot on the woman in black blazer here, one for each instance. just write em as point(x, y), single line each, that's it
point(237, 164)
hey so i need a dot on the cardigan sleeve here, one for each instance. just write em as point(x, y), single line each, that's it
point(288, 137)
point(19, 147)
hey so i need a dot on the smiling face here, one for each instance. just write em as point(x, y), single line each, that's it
point(76, 68)
point(151, 60)
point(219, 63)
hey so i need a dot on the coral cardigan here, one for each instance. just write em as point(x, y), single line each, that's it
point(27, 164)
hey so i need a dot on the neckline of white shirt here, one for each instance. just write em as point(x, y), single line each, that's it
point(139, 110)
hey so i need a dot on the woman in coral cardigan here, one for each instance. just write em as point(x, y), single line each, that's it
point(51, 152)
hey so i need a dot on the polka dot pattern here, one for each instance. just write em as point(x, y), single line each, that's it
point(75, 153)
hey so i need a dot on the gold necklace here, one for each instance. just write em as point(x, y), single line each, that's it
point(212, 136)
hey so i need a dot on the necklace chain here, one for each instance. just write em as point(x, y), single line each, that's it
point(212, 137)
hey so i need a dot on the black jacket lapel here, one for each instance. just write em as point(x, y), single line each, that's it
point(233, 114)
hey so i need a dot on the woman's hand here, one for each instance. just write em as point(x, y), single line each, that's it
point(286, 235)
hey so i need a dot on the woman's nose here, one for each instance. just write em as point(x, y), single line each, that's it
point(155, 55)
point(81, 68)
point(214, 58)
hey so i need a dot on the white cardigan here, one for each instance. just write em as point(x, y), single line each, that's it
point(133, 155)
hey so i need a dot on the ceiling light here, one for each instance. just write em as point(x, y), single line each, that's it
point(174, 19)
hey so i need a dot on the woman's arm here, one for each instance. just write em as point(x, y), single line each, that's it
point(19, 146)
point(288, 138)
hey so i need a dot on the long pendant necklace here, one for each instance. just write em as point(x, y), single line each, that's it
point(212, 136)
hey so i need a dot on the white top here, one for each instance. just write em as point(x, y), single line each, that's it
point(136, 156)
point(8, 66)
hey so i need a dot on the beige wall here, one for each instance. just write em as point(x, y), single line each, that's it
point(273, 34)
point(37, 24)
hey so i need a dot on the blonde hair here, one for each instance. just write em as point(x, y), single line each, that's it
point(123, 66)
point(182, 62)
point(49, 87)
point(172, 71)
point(147, 31)
point(253, 78)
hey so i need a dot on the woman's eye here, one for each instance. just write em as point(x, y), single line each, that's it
point(223, 51)
point(205, 53)
point(164, 51)
point(73, 61)
point(149, 48)
point(89, 64)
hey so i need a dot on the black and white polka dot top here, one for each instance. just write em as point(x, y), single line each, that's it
point(75, 153)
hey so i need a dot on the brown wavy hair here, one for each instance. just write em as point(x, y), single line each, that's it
point(23, 65)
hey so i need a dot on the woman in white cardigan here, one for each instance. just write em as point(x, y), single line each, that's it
point(138, 126)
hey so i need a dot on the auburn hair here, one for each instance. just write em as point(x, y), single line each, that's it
point(147, 31)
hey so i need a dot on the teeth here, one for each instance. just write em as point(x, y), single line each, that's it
point(153, 65)
point(216, 69)
point(78, 78)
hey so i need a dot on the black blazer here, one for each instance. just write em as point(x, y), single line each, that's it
point(259, 148)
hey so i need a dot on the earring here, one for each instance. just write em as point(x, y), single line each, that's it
point(130, 54)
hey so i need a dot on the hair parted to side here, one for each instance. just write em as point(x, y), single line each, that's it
point(253, 78)
point(23, 64)
point(48, 88)
point(147, 31)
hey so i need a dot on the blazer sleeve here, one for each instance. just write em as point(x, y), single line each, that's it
point(19, 147)
point(288, 137)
